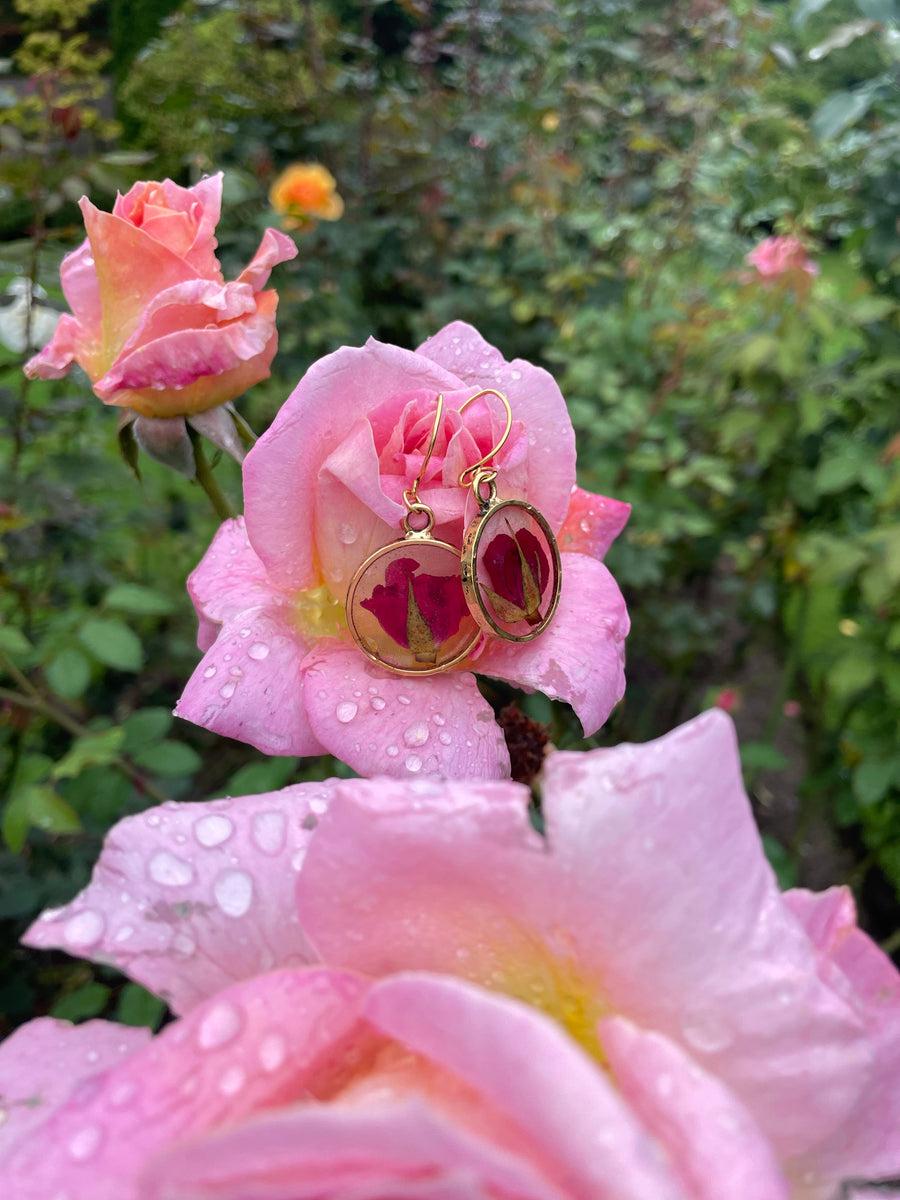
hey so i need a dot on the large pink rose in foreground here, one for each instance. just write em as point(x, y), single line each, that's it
point(323, 489)
point(624, 1008)
point(154, 324)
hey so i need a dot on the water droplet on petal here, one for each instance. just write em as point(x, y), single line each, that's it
point(268, 831)
point(85, 1143)
point(123, 934)
point(346, 712)
point(219, 1026)
point(707, 1031)
point(413, 763)
point(183, 944)
point(348, 534)
point(122, 1093)
point(166, 869)
point(85, 929)
point(444, 738)
point(232, 1081)
point(438, 719)
point(404, 699)
point(392, 751)
point(272, 1051)
point(416, 734)
point(227, 691)
point(515, 374)
point(212, 830)
point(209, 672)
point(233, 891)
point(378, 703)
point(258, 651)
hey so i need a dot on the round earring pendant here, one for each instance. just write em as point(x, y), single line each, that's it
point(406, 609)
point(511, 570)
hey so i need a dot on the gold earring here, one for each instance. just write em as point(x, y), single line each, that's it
point(510, 562)
point(405, 605)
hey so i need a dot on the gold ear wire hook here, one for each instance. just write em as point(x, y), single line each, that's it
point(411, 495)
point(468, 475)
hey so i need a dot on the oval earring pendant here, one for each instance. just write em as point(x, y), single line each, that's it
point(510, 567)
point(405, 605)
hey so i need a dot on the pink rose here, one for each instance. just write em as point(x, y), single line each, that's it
point(776, 256)
point(154, 324)
point(625, 1007)
point(323, 489)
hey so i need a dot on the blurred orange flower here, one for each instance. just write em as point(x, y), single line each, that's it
point(303, 193)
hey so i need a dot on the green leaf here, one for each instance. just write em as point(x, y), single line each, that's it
point(137, 1006)
point(144, 727)
point(134, 598)
point(84, 1002)
point(851, 674)
point(761, 756)
point(94, 749)
point(873, 777)
point(13, 641)
point(835, 474)
point(780, 860)
point(805, 9)
point(112, 643)
point(68, 674)
point(168, 758)
point(266, 776)
point(840, 111)
point(36, 805)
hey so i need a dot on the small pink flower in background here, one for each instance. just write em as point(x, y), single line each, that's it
point(154, 324)
point(775, 257)
point(728, 699)
point(323, 489)
point(399, 988)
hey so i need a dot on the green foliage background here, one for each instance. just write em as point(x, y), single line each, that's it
point(581, 180)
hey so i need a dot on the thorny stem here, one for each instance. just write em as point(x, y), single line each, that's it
point(31, 697)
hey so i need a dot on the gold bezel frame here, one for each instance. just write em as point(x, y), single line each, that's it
point(471, 588)
point(409, 541)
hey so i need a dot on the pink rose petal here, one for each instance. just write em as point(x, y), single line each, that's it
point(592, 523)
point(379, 722)
point(253, 1047)
point(537, 402)
point(190, 898)
point(274, 248)
point(44, 1062)
point(713, 1143)
point(227, 580)
point(542, 1081)
point(580, 657)
point(234, 690)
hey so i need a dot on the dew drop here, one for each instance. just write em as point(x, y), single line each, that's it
point(85, 1143)
point(209, 672)
point(258, 651)
point(219, 1026)
point(444, 738)
point(515, 374)
point(348, 534)
point(85, 929)
point(233, 891)
point(404, 699)
point(416, 734)
point(123, 934)
point(268, 831)
point(227, 691)
point(245, 633)
point(164, 868)
point(439, 719)
point(232, 1081)
point(272, 1051)
point(121, 1094)
point(212, 830)
point(413, 763)
point(346, 712)
point(392, 751)
point(378, 703)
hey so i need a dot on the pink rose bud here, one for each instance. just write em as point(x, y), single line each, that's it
point(154, 324)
